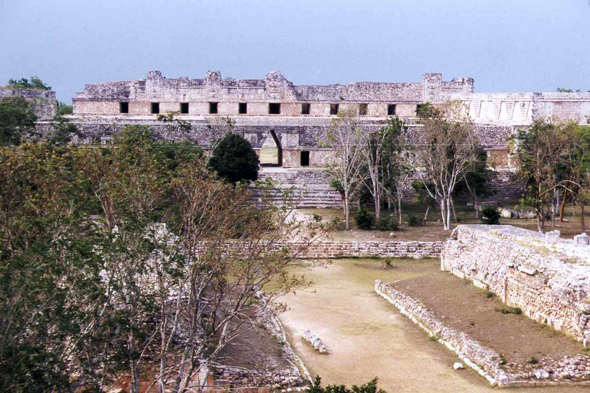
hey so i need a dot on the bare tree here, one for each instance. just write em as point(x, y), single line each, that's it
point(224, 275)
point(346, 168)
point(444, 151)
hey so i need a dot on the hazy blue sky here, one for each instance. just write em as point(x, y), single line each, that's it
point(506, 45)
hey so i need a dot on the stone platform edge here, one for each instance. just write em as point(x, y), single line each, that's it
point(485, 361)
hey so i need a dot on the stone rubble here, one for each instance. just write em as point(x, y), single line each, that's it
point(315, 341)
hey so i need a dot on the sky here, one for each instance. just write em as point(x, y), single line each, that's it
point(505, 45)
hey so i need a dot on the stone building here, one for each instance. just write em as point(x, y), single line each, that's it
point(43, 102)
point(273, 113)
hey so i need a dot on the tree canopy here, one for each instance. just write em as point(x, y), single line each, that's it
point(234, 159)
point(113, 256)
point(16, 119)
point(24, 83)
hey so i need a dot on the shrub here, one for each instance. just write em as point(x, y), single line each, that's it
point(490, 215)
point(364, 219)
point(337, 224)
point(414, 221)
point(234, 159)
point(316, 217)
point(509, 310)
point(387, 261)
point(388, 223)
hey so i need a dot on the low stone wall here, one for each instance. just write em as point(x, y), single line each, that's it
point(484, 360)
point(366, 249)
point(391, 249)
point(549, 282)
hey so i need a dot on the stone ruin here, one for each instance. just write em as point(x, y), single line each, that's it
point(545, 276)
point(43, 102)
point(297, 116)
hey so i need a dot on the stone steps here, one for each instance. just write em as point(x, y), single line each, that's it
point(310, 188)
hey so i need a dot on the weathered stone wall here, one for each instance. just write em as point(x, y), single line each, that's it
point(330, 249)
point(258, 93)
point(496, 115)
point(43, 102)
point(484, 360)
point(550, 283)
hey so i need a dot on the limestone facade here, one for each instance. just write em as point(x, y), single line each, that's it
point(300, 114)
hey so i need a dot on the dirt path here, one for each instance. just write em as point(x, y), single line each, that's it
point(367, 337)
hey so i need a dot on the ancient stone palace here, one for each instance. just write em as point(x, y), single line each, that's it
point(273, 113)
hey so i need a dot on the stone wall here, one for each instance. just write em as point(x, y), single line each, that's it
point(43, 102)
point(549, 282)
point(332, 249)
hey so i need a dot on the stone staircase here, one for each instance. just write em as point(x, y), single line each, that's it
point(311, 188)
point(506, 187)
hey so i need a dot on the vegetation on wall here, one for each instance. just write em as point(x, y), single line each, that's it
point(17, 119)
point(24, 83)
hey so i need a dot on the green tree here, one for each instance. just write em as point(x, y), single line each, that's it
point(369, 387)
point(234, 159)
point(541, 151)
point(63, 131)
point(16, 120)
point(23, 83)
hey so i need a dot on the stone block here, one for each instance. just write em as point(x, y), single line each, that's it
point(527, 270)
point(458, 273)
point(552, 237)
point(582, 240)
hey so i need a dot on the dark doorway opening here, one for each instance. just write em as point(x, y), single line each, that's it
point(363, 109)
point(184, 108)
point(391, 110)
point(155, 107)
point(304, 158)
point(305, 109)
point(274, 108)
point(213, 108)
point(243, 108)
point(123, 107)
point(334, 109)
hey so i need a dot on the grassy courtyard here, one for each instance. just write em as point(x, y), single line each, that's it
point(367, 337)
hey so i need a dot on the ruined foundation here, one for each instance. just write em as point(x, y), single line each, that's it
point(549, 282)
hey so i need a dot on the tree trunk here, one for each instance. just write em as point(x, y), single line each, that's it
point(445, 213)
point(582, 218)
point(553, 209)
point(448, 223)
point(399, 209)
point(453, 209)
point(540, 221)
point(377, 200)
point(562, 207)
point(346, 213)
